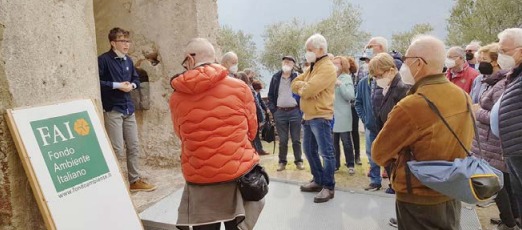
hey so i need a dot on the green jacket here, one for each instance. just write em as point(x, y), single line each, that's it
point(344, 93)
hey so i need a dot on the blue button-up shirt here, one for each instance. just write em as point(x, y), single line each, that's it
point(115, 69)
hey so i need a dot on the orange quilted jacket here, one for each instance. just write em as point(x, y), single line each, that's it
point(215, 118)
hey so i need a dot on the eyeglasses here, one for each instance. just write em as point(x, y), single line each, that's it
point(421, 58)
point(508, 50)
point(124, 41)
point(186, 59)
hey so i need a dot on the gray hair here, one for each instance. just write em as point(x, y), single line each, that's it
point(381, 41)
point(512, 33)
point(431, 49)
point(474, 44)
point(228, 56)
point(459, 51)
point(317, 41)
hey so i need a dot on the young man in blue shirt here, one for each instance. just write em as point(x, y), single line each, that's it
point(117, 78)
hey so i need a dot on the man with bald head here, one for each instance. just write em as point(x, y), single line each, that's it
point(216, 142)
point(414, 132)
point(229, 61)
point(459, 72)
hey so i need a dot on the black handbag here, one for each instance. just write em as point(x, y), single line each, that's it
point(254, 184)
point(268, 131)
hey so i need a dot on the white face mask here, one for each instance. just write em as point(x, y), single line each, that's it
point(233, 69)
point(383, 82)
point(406, 75)
point(450, 63)
point(310, 57)
point(286, 68)
point(336, 69)
point(506, 62)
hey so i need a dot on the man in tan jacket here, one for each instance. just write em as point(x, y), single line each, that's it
point(316, 87)
point(414, 132)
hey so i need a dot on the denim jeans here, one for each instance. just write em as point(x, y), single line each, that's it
point(289, 122)
point(375, 170)
point(347, 149)
point(318, 140)
point(514, 164)
point(258, 146)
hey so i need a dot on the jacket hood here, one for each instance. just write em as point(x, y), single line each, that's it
point(199, 79)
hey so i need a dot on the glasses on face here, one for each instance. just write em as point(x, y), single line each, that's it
point(186, 59)
point(123, 41)
point(404, 58)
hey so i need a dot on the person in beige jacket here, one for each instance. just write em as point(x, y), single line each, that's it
point(316, 86)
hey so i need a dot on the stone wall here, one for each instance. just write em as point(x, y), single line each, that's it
point(47, 55)
point(159, 30)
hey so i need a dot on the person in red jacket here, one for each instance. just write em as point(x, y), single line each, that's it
point(215, 118)
point(459, 72)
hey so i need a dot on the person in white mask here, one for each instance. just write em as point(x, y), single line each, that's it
point(414, 132)
point(459, 72)
point(316, 87)
point(230, 61)
point(509, 113)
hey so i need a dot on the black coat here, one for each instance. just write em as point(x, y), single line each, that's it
point(397, 91)
point(510, 115)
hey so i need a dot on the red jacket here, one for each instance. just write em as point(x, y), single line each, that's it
point(463, 79)
point(215, 118)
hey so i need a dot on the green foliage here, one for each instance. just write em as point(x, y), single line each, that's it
point(241, 43)
point(401, 41)
point(341, 30)
point(482, 20)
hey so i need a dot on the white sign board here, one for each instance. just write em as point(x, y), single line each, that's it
point(73, 171)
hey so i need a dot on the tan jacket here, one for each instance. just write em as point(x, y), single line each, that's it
point(413, 125)
point(317, 87)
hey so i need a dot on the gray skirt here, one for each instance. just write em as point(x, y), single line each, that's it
point(209, 204)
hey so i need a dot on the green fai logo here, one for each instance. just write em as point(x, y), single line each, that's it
point(70, 148)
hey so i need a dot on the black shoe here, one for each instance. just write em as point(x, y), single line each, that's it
point(390, 191)
point(393, 222)
point(373, 187)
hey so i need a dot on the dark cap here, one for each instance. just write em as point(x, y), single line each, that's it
point(288, 58)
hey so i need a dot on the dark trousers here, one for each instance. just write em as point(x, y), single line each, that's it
point(230, 225)
point(428, 217)
point(506, 203)
point(257, 142)
point(289, 122)
point(355, 134)
point(514, 165)
point(347, 148)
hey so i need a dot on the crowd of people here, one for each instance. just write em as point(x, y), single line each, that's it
point(217, 111)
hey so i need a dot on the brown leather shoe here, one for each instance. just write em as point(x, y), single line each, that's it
point(263, 153)
point(324, 195)
point(311, 187)
point(281, 167)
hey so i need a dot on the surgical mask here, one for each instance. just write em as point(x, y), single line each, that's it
point(383, 82)
point(369, 53)
point(286, 68)
point(506, 62)
point(310, 57)
point(406, 75)
point(233, 69)
point(336, 68)
point(450, 63)
point(485, 68)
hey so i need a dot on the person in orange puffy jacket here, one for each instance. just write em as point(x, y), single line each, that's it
point(215, 118)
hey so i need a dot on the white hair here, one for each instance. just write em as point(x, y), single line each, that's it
point(458, 50)
point(474, 44)
point(203, 49)
point(318, 42)
point(381, 41)
point(512, 33)
point(228, 56)
point(431, 49)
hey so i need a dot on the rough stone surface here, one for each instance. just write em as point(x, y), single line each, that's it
point(47, 55)
point(159, 30)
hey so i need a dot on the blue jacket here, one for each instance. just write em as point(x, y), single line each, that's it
point(273, 91)
point(363, 105)
point(114, 69)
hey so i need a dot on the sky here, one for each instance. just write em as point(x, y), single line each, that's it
point(380, 17)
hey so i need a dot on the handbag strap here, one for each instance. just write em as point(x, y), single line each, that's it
point(436, 111)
